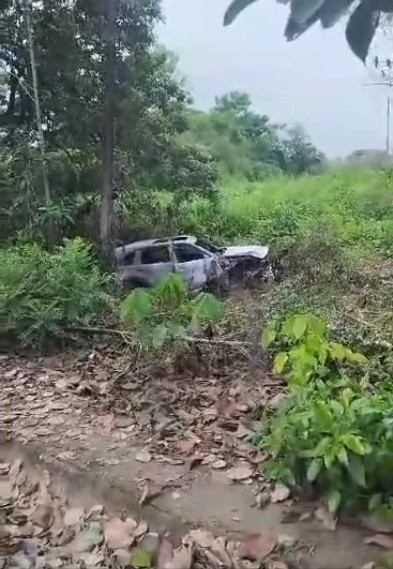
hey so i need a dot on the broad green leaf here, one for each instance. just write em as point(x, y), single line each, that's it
point(333, 501)
point(268, 336)
point(234, 9)
point(136, 307)
point(159, 335)
point(353, 443)
point(316, 325)
point(356, 469)
point(342, 456)
point(314, 469)
point(323, 414)
point(357, 358)
point(299, 325)
point(338, 351)
point(361, 29)
point(207, 309)
point(279, 362)
point(141, 558)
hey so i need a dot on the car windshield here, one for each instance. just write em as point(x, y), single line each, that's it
point(207, 246)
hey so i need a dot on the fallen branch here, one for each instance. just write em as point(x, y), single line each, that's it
point(129, 336)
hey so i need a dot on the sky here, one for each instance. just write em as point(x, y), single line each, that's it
point(314, 81)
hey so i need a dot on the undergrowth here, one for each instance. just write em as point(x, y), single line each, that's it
point(333, 434)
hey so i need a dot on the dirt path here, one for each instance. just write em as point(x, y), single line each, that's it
point(172, 456)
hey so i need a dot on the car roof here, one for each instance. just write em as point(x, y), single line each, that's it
point(154, 242)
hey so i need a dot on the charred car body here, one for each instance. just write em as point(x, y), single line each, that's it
point(145, 263)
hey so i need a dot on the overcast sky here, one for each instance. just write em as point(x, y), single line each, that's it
point(314, 81)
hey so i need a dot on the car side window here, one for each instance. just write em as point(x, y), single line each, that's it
point(153, 255)
point(186, 253)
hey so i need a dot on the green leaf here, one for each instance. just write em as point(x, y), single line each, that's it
point(136, 307)
point(234, 9)
point(323, 414)
point(279, 362)
point(207, 309)
point(268, 336)
point(159, 335)
point(342, 456)
point(314, 469)
point(299, 325)
point(141, 558)
point(338, 351)
point(361, 29)
point(356, 469)
point(354, 443)
point(333, 501)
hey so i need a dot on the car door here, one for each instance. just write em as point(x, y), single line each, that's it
point(154, 263)
point(194, 263)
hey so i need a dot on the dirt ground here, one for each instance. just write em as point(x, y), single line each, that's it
point(169, 448)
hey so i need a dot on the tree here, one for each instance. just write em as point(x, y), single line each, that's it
point(361, 26)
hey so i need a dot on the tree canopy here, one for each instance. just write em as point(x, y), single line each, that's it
point(363, 21)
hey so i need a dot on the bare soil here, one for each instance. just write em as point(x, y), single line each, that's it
point(167, 446)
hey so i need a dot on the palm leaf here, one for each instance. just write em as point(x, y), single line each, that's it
point(332, 11)
point(234, 9)
point(303, 10)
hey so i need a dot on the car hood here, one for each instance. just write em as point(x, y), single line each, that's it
point(246, 250)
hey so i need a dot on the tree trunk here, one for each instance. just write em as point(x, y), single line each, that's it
point(106, 218)
point(38, 116)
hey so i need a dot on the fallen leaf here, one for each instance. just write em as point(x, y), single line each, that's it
point(380, 539)
point(14, 471)
point(92, 559)
point(186, 446)
point(119, 534)
point(43, 515)
point(181, 559)
point(141, 529)
point(326, 518)
point(143, 456)
point(95, 512)
point(123, 557)
point(280, 493)
point(219, 464)
point(149, 492)
point(370, 565)
point(239, 473)
point(73, 516)
point(141, 558)
point(286, 540)
point(257, 546)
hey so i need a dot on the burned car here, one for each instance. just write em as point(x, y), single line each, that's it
point(145, 263)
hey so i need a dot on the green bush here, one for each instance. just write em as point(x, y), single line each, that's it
point(43, 293)
point(334, 430)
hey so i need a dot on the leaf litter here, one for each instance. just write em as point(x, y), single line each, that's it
point(50, 533)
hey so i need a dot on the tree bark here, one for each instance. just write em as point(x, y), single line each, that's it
point(106, 217)
point(38, 115)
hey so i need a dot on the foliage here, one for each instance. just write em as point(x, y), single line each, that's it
point(167, 312)
point(334, 430)
point(42, 294)
point(361, 27)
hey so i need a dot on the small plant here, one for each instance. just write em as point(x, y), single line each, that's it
point(306, 351)
point(167, 312)
point(334, 432)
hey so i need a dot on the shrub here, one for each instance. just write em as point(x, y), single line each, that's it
point(43, 293)
point(334, 431)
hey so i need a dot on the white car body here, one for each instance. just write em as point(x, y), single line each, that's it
point(145, 263)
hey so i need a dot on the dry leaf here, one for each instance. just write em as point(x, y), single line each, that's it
point(73, 516)
point(149, 492)
point(43, 515)
point(239, 473)
point(327, 519)
point(257, 546)
point(14, 471)
point(141, 529)
point(219, 464)
point(278, 565)
point(143, 456)
point(181, 559)
point(280, 493)
point(262, 499)
point(119, 534)
point(187, 446)
point(380, 539)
